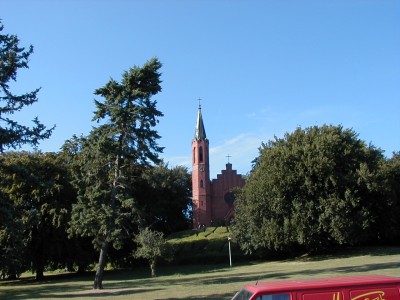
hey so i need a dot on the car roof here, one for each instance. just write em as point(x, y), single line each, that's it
point(320, 283)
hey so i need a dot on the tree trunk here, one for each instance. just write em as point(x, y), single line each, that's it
point(39, 265)
point(39, 272)
point(153, 268)
point(98, 279)
point(81, 269)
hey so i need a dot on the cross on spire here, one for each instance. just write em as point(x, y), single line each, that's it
point(199, 102)
point(228, 156)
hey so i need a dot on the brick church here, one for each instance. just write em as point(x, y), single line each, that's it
point(212, 200)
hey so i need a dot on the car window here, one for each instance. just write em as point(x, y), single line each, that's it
point(274, 297)
point(243, 295)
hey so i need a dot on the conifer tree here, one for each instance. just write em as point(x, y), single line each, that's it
point(125, 137)
point(12, 134)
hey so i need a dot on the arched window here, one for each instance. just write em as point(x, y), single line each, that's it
point(194, 155)
point(201, 183)
point(201, 154)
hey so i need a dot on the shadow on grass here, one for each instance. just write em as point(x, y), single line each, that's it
point(353, 251)
point(123, 283)
point(255, 277)
point(209, 297)
point(51, 293)
point(49, 279)
point(243, 277)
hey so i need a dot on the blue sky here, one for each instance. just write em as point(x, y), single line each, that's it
point(262, 68)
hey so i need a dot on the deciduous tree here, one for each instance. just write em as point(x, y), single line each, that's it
point(37, 188)
point(164, 197)
point(151, 246)
point(309, 190)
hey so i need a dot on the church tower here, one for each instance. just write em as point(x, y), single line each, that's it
point(201, 185)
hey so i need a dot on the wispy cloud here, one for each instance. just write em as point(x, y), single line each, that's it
point(241, 149)
point(173, 161)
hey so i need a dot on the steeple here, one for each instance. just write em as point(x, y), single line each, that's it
point(200, 132)
point(212, 201)
point(201, 185)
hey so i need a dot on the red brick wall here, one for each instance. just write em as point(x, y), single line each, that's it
point(209, 204)
point(225, 182)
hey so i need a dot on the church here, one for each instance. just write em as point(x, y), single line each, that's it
point(213, 201)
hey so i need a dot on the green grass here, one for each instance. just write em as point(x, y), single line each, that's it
point(209, 233)
point(203, 281)
point(203, 246)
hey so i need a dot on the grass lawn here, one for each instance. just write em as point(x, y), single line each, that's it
point(202, 281)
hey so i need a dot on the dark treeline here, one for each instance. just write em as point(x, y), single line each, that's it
point(37, 213)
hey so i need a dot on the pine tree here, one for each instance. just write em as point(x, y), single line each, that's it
point(13, 135)
point(126, 137)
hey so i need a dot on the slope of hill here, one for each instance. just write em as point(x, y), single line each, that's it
point(209, 245)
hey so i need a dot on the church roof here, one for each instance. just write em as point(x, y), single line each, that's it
point(200, 132)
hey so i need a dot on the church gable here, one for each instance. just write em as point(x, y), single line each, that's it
point(222, 194)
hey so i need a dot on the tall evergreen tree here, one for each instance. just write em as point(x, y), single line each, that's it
point(126, 136)
point(12, 58)
point(13, 135)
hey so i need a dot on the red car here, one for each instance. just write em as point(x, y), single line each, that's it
point(366, 287)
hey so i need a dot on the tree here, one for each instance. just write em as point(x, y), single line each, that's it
point(388, 188)
point(151, 246)
point(38, 189)
point(164, 197)
point(12, 134)
point(163, 201)
point(308, 190)
point(128, 114)
point(11, 240)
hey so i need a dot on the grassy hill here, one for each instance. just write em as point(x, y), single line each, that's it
point(203, 246)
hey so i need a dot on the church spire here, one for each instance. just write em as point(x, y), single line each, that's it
point(201, 185)
point(200, 132)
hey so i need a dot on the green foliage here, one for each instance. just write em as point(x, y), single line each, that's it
point(311, 189)
point(151, 246)
point(95, 214)
point(12, 58)
point(36, 189)
point(131, 114)
point(388, 186)
point(102, 161)
point(164, 197)
point(11, 240)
